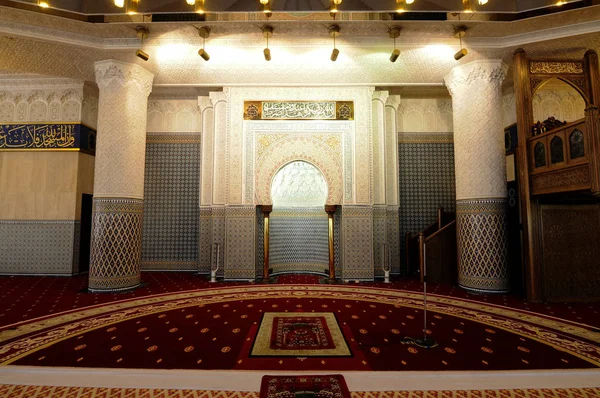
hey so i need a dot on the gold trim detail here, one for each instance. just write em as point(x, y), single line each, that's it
point(556, 67)
point(298, 110)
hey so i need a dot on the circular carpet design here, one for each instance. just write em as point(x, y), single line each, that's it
point(217, 328)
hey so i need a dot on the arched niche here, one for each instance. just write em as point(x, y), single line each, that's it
point(299, 148)
point(560, 99)
point(299, 184)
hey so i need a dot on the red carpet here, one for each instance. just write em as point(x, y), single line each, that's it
point(323, 386)
point(216, 329)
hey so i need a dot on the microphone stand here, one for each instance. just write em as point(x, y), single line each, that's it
point(425, 342)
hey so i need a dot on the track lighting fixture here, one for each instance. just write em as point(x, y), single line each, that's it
point(401, 5)
point(394, 32)
point(43, 4)
point(119, 3)
point(333, 8)
point(263, 2)
point(267, 32)
point(483, 2)
point(334, 30)
point(133, 6)
point(142, 33)
point(204, 33)
point(459, 32)
point(191, 2)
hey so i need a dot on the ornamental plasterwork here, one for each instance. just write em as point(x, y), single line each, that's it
point(298, 110)
point(481, 72)
point(113, 71)
point(425, 115)
point(555, 67)
point(177, 116)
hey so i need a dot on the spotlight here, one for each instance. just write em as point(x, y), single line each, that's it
point(334, 30)
point(267, 32)
point(191, 2)
point(400, 6)
point(334, 54)
point(199, 8)
point(483, 2)
point(460, 32)
point(264, 2)
point(140, 54)
point(43, 4)
point(394, 32)
point(410, 1)
point(133, 6)
point(119, 3)
point(142, 33)
point(204, 33)
point(267, 10)
point(467, 6)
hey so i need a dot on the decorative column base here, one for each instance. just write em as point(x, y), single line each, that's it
point(482, 244)
point(116, 247)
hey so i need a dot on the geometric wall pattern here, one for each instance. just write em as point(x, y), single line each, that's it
point(240, 242)
point(116, 245)
point(482, 243)
point(298, 240)
point(39, 247)
point(171, 203)
point(357, 235)
point(426, 182)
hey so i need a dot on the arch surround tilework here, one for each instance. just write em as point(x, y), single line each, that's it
point(299, 148)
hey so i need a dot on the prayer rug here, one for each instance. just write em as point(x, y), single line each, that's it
point(323, 386)
point(300, 334)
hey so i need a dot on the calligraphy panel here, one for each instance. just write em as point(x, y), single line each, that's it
point(298, 110)
point(47, 137)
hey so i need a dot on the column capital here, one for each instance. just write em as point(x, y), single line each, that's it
point(217, 96)
point(381, 96)
point(393, 101)
point(489, 71)
point(111, 70)
point(203, 103)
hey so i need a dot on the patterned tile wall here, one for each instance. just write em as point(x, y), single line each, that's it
point(357, 234)
point(39, 247)
point(240, 242)
point(260, 243)
point(299, 240)
point(426, 182)
point(171, 203)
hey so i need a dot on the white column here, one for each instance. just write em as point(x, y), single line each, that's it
point(476, 90)
point(116, 247)
point(392, 180)
point(206, 185)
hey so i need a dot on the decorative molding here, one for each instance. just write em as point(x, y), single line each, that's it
point(575, 178)
point(57, 137)
point(173, 116)
point(426, 115)
point(490, 71)
point(298, 110)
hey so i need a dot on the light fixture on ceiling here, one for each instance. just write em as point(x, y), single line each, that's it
point(133, 6)
point(263, 2)
point(142, 33)
point(43, 4)
point(394, 33)
point(560, 3)
point(334, 30)
point(333, 8)
point(467, 6)
point(410, 1)
point(267, 9)
point(199, 7)
point(119, 3)
point(483, 2)
point(191, 2)
point(267, 32)
point(204, 33)
point(401, 6)
point(459, 32)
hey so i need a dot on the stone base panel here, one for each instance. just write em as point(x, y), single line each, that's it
point(116, 247)
point(39, 247)
point(482, 245)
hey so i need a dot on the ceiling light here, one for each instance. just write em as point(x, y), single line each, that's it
point(267, 10)
point(394, 32)
point(142, 33)
point(43, 4)
point(119, 3)
point(191, 2)
point(334, 30)
point(333, 7)
point(467, 6)
point(204, 33)
point(410, 1)
point(267, 32)
point(199, 6)
point(133, 6)
point(483, 2)
point(560, 3)
point(264, 2)
point(400, 6)
point(459, 32)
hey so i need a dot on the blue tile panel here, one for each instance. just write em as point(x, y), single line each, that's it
point(171, 205)
point(427, 181)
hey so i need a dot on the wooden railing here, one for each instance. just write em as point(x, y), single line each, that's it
point(436, 247)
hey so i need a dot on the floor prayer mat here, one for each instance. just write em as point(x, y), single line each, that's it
point(300, 334)
point(323, 386)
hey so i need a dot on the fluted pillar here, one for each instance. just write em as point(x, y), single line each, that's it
point(116, 246)
point(480, 175)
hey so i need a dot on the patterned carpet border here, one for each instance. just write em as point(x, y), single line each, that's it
point(16, 391)
point(573, 339)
